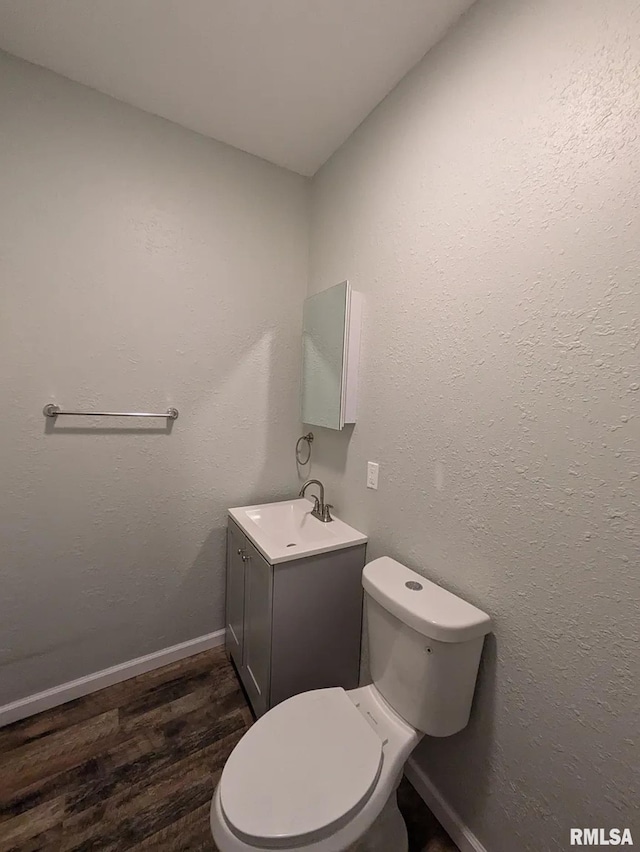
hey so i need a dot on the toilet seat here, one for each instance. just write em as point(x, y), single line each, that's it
point(301, 771)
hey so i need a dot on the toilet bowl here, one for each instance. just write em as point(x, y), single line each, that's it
point(314, 774)
point(319, 772)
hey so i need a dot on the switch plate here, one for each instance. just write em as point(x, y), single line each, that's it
point(372, 474)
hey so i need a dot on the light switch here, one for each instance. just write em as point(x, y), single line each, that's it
point(372, 474)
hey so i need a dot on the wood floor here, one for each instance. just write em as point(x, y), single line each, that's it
point(134, 766)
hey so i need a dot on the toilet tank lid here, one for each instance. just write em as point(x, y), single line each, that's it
point(427, 607)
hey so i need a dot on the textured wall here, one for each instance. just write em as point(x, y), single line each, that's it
point(488, 210)
point(142, 266)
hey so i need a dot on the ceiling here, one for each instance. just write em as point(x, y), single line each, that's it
point(287, 80)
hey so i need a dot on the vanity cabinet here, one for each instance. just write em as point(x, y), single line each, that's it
point(295, 625)
point(235, 592)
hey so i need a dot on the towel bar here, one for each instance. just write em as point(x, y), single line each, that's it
point(51, 410)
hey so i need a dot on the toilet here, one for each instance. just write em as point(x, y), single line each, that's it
point(319, 772)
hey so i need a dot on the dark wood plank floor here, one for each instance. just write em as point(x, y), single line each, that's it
point(134, 766)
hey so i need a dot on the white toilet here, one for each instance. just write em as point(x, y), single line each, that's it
point(319, 772)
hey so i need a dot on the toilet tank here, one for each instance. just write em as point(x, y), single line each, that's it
point(424, 647)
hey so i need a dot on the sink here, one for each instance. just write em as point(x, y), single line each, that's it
point(286, 531)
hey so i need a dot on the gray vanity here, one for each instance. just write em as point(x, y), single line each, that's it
point(294, 601)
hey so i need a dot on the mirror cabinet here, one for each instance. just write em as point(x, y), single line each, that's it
point(330, 356)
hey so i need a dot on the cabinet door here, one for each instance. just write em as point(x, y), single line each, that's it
point(236, 544)
point(257, 628)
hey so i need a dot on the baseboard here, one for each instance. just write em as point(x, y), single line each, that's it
point(463, 837)
point(107, 677)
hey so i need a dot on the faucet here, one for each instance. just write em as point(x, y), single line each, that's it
point(320, 508)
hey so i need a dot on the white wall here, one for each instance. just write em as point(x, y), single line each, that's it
point(488, 210)
point(142, 266)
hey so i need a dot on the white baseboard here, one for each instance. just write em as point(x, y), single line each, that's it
point(463, 837)
point(107, 677)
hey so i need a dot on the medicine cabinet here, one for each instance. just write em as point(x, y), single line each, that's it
point(330, 356)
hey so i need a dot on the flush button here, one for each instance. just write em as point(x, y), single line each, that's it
point(415, 587)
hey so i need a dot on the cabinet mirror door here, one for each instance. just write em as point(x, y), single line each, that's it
point(323, 356)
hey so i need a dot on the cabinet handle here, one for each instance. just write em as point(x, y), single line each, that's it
point(245, 558)
point(240, 551)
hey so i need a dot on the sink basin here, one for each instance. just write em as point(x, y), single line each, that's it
point(286, 531)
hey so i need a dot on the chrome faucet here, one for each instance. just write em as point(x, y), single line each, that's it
point(320, 508)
